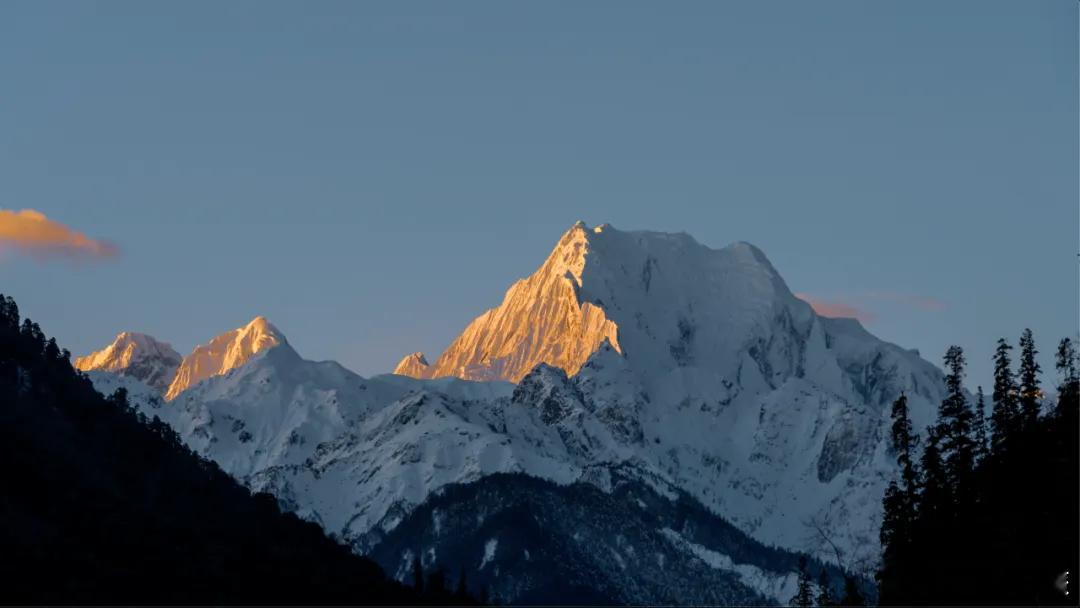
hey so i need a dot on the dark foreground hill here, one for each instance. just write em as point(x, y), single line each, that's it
point(528, 541)
point(100, 505)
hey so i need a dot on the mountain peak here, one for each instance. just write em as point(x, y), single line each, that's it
point(415, 365)
point(646, 293)
point(260, 325)
point(225, 352)
point(136, 355)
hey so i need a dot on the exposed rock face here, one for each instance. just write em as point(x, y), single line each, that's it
point(548, 389)
point(664, 300)
point(135, 355)
point(542, 319)
point(225, 352)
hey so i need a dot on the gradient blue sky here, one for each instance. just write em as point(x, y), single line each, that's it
point(371, 176)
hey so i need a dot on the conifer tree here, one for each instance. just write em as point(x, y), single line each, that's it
point(462, 591)
point(955, 422)
point(436, 582)
point(900, 504)
point(1005, 417)
point(892, 525)
point(934, 519)
point(9, 312)
point(1069, 389)
point(52, 351)
point(904, 441)
point(982, 445)
point(1065, 431)
point(824, 596)
point(1030, 393)
point(804, 596)
point(1001, 536)
point(852, 595)
point(418, 575)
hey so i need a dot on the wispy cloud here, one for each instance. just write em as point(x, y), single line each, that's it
point(860, 305)
point(832, 308)
point(30, 232)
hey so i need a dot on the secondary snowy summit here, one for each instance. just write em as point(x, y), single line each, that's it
point(160, 367)
point(136, 355)
point(225, 352)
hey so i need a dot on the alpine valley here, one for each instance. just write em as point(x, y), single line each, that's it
point(642, 420)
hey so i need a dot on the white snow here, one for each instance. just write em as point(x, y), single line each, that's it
point(489, 552)
point(780, 587)
point(716, 381)
point(136, 355)
point(225, 352)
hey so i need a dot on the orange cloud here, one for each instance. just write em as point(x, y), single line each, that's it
point(30, 232)
point(827, 308)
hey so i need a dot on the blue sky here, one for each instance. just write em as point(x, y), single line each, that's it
point(371, 176)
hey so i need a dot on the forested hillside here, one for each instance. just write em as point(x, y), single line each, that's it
point(100, 505)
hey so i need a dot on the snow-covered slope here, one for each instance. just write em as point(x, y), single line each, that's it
point(693, 367)
point(225, 352)
point(137, 355)
point(704, 364)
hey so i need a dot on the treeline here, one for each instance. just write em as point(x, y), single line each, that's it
point(99, 505)
point(824, 593)
point(985, 510)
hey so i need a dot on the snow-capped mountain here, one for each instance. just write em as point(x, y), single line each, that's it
point(414, 365)
point(225, 352)
point(159, 366)
point(703, 363)
point(637, 352)
point(137, 355)
point(365, 457)
point(543, 319)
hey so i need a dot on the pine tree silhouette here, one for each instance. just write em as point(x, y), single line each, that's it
point(804, 597)
point(436, 582)
point(824, 596)
point(1030, 393)
point(982, 440)
point(1066, 363)
point(955, 425)
point(933, 523)
point(462, 591)
point(1003, 535)
point(418, 574)
point(1005, 419)
point(900, 503)
point(852, 595)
